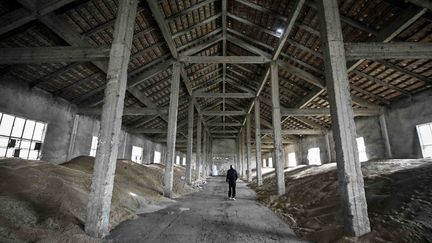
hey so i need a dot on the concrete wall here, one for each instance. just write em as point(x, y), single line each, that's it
point(402, 117)
point(223, 151)
point(17, 99)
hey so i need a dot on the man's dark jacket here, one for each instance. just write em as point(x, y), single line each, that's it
point(231, 175)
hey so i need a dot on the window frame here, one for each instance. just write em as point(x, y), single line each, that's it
point(316, 156)
point(95, 147)
point(20, 139)
point(361, 150)
point(419, 135)
point(141, 156)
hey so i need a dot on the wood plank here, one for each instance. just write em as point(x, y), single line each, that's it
point(224, 95)
point(53, 54)
point(222, 59)
point(326, 112)
point(379, 51)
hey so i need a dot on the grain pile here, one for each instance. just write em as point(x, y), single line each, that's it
point(399, 195)
point(42, 202)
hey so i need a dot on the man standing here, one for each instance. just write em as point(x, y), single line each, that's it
point(231, 179)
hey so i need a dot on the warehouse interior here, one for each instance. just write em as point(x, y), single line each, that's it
point(115, 112)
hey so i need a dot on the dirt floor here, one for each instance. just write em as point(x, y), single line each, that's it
point(399, 195)
point(208, 216)
point(42, 202)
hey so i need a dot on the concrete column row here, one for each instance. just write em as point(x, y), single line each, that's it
point(99, 203)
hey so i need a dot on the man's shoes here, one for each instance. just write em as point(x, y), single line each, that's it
point(233, 198)
point(230, 198)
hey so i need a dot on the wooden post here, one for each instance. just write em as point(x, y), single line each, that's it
point(204, 160)
point(72, 139)
point(385, 136)
point(198, 150)
point(172, 130)
point(356, 221)
point(278, 158)
point(99, 203)
point(258, 142)
point(190, 143)
point(248, 149)
point(329, 152)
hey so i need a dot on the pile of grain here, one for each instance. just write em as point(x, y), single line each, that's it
point(42, 202)
point(398, 192)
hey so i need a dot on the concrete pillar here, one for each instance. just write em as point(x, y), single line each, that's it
point(211, 154)
point(72, 139)
point(385, 136)
point(258, 142)
point(172, 130)
point(242, 154)
point(329, 152)
point(198, 149)
point(244, 165)
point(278, 158)
point(356, 221)
point(190, 143)
point(238, 155)
point(99, 203)
point(248, 149)
point(125, 138)
point(204, 160)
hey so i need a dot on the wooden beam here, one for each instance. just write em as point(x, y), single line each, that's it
point(381, 82)
point(222, 59)
point(405, 71)
point(302, 74)
point(201, 23)
point(223, 113)
point(188, 10)
point(422, 3)
point(224, 95)
point(52, 54)
point(376, 50)
point(152, 131)
point(226, 124)
point(326, 112)
point(128, 111)
point(291, 19)
point(296, 131)
point(60, 26)
point(246, 46)
point(168, 37)
point(22, 16)
point(386, 34)
point(223, 131)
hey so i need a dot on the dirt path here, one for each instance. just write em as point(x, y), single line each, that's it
point(207, 216)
